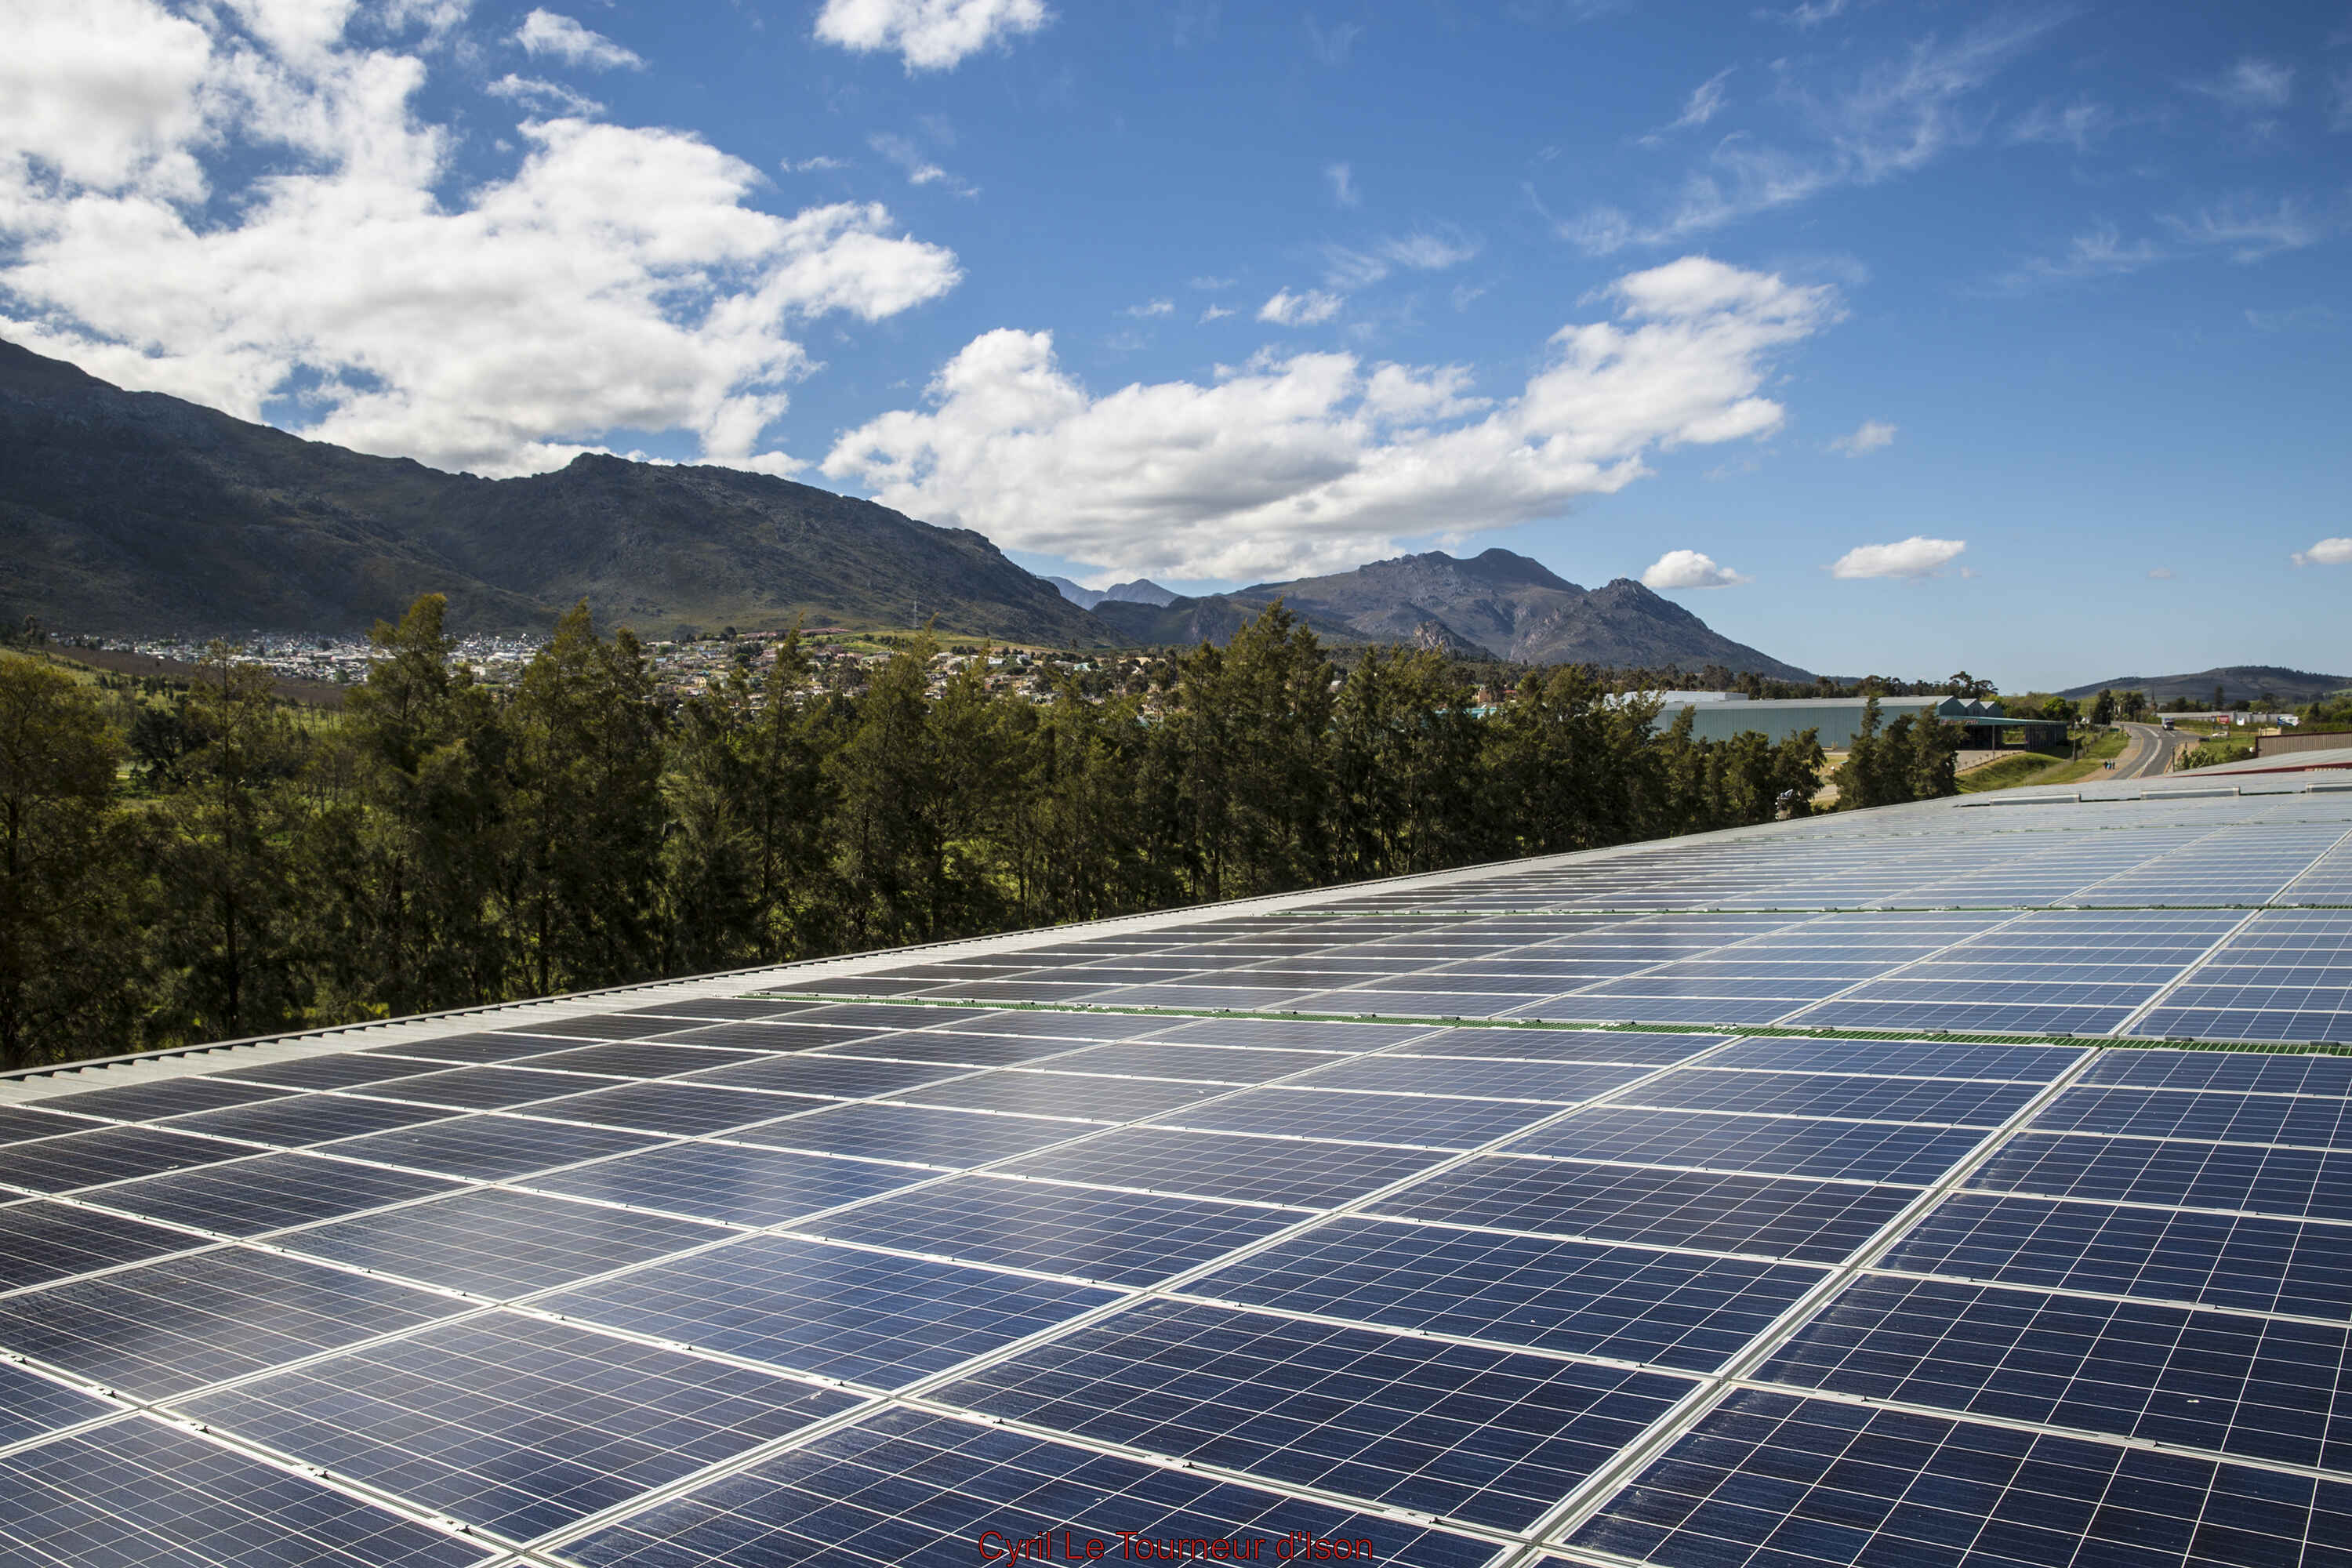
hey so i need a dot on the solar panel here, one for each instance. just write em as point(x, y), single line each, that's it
point(1769, 1479)
point(1483, 1435)
point(1890, 1230)
point(513, 1424)
point(908, 1486)
point(873, 1318)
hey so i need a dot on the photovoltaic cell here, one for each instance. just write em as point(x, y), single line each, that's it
point(40, 1241)
point(729, 1182)
point(954, 1047)
point(1061, 1094)
point(1121, 1238)
point(169, 1327)
point(1551, 1083)
point(1236, 1167)
point(1955, 1102)
point(1418, 1121)
point(906, 1487)
point(1639, 1048)
point(168, 1097)
point(2240, 1072)
point(497, 1046)
point(1810, 1222)
point(1764, 1145)
point(944, 1139)
point(301, 1119)
point(867, 1317)
point(138, 1493)
point(2298, 1182)
point(1769, 1479)
point(2223, 1383)
point(492, 1148)
point(514, 1424)
point(32, 1405)
point(501, 1245)
point(1484, 1435)
point(1928, 1059)
point(634, 1059)
point(487, 1087)
point(268, 1194)
point(1674, 1310)
point(837, 1077)
point(112, 1154)
point(2220, 1260)
point(2314, 1120)
point(681, 1108)
point(19, 1124)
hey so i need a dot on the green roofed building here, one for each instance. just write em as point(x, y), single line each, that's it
point(1837, 720)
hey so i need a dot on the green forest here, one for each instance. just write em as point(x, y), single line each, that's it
point(223, 865)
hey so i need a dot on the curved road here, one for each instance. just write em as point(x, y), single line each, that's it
point(2149, 753)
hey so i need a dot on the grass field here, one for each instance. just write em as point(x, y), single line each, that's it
point(2034, 768)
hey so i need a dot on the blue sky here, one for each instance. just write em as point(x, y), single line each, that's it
point(2014, 339)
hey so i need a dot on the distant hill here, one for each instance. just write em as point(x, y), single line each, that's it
point(2292, 688)
point(1142, 591)
point(1497, 604)
point(127, 511)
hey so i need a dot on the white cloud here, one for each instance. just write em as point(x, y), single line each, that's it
point(541, 97)
point(2326, 552)
point(928, 35)
point(1868, 437)
point(547, 33)
point(2252, 86)
point(1153, 308)
point(2251, 228)
point(1811, 13)
point(1893, 117)
point(1913, 557)
point(1211, 285)
point(1301, 310)
point(2077, 124)
point(2160, 573)
point(1333, 46)
point(1689, 569)
point(2100, 253)
point(1317, 460)
point(816, 166)
point(1217, 312)
point(1421, 252)
point(104, 92)
point(1705, 101)
point(917, 168)
point(266, 215)
point(1343, 185)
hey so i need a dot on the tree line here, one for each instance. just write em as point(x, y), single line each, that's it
point(229, 865)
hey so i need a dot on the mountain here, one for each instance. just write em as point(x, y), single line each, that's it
point(133, 511)
point(1494, 605)
point(1142, 591)
point(2292, 688)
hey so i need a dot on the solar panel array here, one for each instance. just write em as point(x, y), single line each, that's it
point(1819, 1194)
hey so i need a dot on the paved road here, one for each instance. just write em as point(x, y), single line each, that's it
point(2147, 756)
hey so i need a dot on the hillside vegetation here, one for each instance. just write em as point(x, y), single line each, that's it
point(222, 865)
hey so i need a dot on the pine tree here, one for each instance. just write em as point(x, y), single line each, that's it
point(582, 879)
point(69, 971)
point(230, 927)
point(414, 825)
